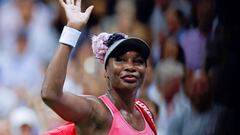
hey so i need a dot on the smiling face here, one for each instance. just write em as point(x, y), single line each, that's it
point(126, 72)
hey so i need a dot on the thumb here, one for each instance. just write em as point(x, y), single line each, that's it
point(89, 10)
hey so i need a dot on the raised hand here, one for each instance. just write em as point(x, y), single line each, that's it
point(76, 19)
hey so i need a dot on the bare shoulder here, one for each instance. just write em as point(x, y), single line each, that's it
point(100, 110)
point(100, 118)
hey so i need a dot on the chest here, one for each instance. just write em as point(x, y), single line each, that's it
point(119, 123)
point(135, 121)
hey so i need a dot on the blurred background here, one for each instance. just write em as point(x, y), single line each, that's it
point(192, 79)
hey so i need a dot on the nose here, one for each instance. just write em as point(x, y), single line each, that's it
point(129, 66)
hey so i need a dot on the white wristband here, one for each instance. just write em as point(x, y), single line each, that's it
point(69, 36)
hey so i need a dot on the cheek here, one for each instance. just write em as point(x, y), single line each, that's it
point(142, 72)
point(113, 76)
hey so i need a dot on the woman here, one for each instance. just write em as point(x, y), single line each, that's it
point(116, 112)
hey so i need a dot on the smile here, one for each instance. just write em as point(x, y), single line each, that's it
point(129, 78)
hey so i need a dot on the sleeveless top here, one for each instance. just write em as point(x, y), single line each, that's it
point(119, 125)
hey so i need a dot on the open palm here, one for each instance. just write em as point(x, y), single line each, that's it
point(73, 12)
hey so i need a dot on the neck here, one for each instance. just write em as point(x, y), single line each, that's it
point(122, 101)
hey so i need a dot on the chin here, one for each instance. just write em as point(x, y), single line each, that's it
point(128, 86)
point(133, 86)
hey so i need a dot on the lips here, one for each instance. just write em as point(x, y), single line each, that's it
point(129, 78)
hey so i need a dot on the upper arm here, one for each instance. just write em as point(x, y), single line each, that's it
point(77, 109)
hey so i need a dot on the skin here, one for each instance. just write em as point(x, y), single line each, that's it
point(26, 130)
point(170, 50)
point(173, 22)
point(125, 75)
point(198, 91)
point(169, 89)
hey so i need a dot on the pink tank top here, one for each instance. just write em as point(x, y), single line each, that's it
point(120, 125)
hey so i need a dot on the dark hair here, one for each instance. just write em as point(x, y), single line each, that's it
point(181, 55)
point(113, 38)
point(180, 16)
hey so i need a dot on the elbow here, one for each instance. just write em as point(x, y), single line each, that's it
point(45, 94)
point(45, 97)
point(51, 91)
point(49, 95)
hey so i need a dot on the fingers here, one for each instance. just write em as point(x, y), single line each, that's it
point(89, 11)
point(62, 3)
point(68, 2)
point(72, 2)
point(78, 3)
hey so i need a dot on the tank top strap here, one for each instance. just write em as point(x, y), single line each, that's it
point(109, 104)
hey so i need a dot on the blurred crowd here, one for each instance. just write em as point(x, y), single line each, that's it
point(185, 85)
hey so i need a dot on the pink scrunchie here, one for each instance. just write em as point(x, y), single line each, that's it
point(98, 46)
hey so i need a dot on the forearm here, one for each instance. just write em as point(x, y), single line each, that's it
point(56, 72)
point(52, 88)
point(69, 106)
point(64, 104)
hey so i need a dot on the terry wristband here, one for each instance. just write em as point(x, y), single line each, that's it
point(69, 36)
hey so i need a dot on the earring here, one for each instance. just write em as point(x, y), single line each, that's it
point(106, 75)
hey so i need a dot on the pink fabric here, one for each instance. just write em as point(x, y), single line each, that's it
point(67, 129)
point(120, 125)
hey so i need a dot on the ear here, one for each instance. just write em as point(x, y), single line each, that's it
point(106, 75)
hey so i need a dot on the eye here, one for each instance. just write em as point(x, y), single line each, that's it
point(139, 61)
point(119, 59)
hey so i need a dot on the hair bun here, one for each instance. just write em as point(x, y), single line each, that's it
point(115, 37)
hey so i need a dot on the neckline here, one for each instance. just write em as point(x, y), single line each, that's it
point(125, 121)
